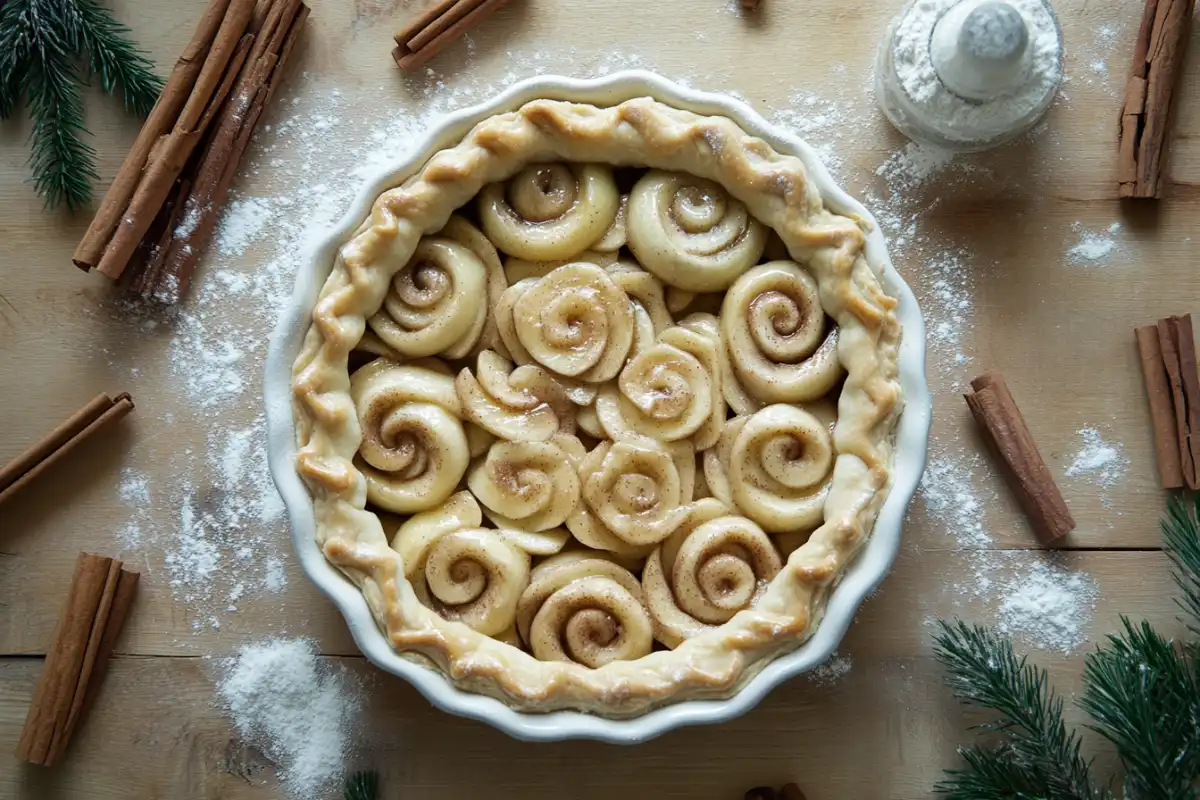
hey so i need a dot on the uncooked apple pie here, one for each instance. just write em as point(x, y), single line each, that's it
point(597, 406)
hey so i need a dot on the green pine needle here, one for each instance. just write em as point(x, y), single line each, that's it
point(984, 671)
point(114, 58)
point(14, 57)
point(1145, 698)
point(362, 786)
point(41, 42)
point(63, 164)
point(1181, 528)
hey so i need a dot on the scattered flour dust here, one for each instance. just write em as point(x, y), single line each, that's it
point(1093, 247)
point(295, 707)
point(831, 672)
point(1101, 460)
point(950, 496)
point(1044, 605)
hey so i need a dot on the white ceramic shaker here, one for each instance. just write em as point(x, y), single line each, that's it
point(968, 75)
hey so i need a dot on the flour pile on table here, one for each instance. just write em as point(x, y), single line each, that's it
point(1041, 604)
point(297, 708)
point(1093, 247)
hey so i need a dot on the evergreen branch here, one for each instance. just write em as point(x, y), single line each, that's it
point(985, 672)
point(362, 786)
point(1145, 698)
point(63, 164)
point(14, 54)
point(112, 56)
point(991, 775)
point(1181, 529)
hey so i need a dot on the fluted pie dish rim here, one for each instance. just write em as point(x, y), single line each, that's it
point(747, 678)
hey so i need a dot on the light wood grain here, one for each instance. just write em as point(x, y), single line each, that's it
point(1061, 333)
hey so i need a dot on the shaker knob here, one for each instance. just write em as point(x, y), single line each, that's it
point(979, 47)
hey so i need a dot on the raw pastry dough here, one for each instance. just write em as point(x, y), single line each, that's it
point(549, 211)
point(694, 561)
point(690, 233)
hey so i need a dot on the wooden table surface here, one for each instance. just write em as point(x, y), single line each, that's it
point(1014, 301)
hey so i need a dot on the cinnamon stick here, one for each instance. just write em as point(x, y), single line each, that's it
point(161, 119)
point(121, 604)
point(97, 603)
point(1147, 110)
point(165, 277)
point(1191, 393)
point(1168, 341)
point(466, 14)
point(100, 412)
point(212, 85)
point(997, 414)
point(1162, 414)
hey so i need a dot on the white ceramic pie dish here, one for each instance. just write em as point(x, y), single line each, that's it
point(861, 578)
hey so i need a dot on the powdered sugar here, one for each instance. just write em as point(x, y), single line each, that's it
point(1093, 247)
point(296, 707)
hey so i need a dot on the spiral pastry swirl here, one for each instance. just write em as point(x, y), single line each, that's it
point(463, 572)
point(731, 389)
point(460, 230)
point(414, 450)
point(690, 233)
point(777, 337)
point(433, 305)
point(575, 322)
point(530, 486)
point(780, 467)
point(669, 392)
point(550, 211)
point(525, 404)
point(634, 489)
point(646, 301)
point(584, 609)
point(709, 574)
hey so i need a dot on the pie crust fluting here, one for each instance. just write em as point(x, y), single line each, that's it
point(588, 620)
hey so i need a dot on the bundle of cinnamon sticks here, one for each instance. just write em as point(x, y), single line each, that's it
point(99, 601)
point(430, 32)
point(160, 212)
point(1168, 355)
point(1146, 113)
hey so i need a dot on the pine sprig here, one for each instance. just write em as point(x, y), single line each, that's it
point(14, 57)
point(1141, 689)
point(1181, 528)
point(114, 58)
point(1145, 698)
point(41, 42)
point(362, 786)
point(985, 672)
point(64, 166)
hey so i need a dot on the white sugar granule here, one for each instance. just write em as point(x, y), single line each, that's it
point(295, 707)
point(831, 672)
point(1093, 247)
